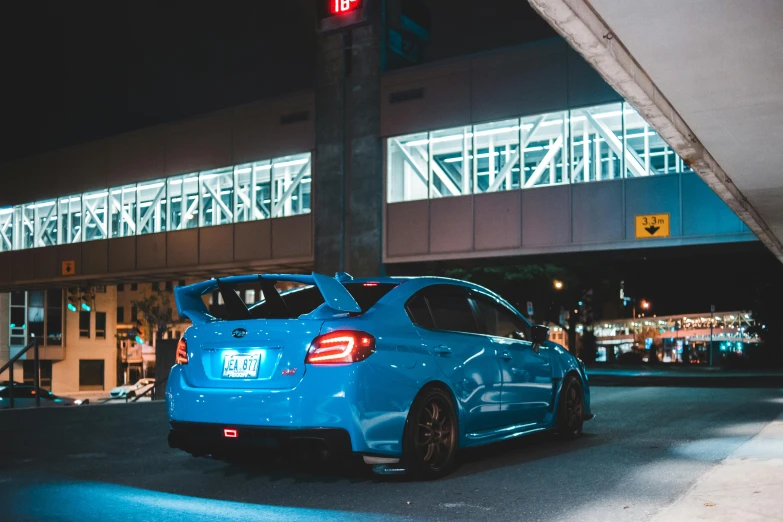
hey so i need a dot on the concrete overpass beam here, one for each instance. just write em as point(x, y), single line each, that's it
point(589, 35)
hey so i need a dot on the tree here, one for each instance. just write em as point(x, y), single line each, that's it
point(154, 314)
point(640, 337)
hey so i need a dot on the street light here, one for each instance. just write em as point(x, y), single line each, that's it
point(558, 285)
point(643, 304)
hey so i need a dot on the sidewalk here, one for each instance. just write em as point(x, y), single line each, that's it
point(661, 375)
point(746, 486)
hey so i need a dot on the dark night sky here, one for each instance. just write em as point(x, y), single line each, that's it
point(75, 71)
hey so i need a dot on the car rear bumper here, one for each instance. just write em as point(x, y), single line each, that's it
point(328, 398)
point(202, 439)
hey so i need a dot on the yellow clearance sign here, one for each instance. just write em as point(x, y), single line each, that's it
point(652, 225)
point(69, 268)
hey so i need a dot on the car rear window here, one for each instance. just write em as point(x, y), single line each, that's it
point(367, 294)
point(304, 300)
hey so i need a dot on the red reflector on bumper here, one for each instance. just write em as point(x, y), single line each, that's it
point(230, 433)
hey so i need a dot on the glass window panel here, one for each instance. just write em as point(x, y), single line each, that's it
point(70, 220)
point(263, 187)
point(243, 206)
point(152, 213)
point(100, 325)
point(54, 317)
point(545, 140)
point(176, 206)
point(183, 202)
point(290, 185)
point(252, 186)
point(647, 149)
point(6, 229)
point(217, 192)
point(18, 326)
point(597, 143)
point(122, 202)
point(408, 161)
point(496, 158)
point(45, 219)
point(84, 324)
point(35, 314)
point(28, 222)
point(250, 297)
point(95, 206)
point(451, 166)
point(452, 313)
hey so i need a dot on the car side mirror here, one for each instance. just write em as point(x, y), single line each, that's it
point(540, 335)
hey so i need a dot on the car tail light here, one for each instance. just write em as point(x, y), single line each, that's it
point(341, 347)
point(182, 352)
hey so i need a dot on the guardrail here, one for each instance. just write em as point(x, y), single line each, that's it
point(149, 391)
point(36, 377)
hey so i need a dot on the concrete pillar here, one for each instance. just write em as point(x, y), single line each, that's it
point(347, 182)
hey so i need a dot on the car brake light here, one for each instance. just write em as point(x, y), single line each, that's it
point(370, 284)
point(341, 347)
point(230, 433)
point(182, 352)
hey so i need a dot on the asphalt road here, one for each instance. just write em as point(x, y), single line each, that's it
point(644, 449)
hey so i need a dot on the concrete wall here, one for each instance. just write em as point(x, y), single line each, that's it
point(241, 134)
point(285, 243)
point(533, 79)
point(65, 373)
point(564, 218)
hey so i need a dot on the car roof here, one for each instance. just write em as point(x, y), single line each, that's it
point(414, 284)
point(409, 285)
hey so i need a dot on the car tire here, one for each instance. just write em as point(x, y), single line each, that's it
point(570, 410)
point(431, 435)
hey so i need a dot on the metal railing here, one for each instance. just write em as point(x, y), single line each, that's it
point(36, 376)
point(152, 391)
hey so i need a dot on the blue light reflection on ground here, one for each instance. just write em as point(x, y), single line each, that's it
point(95, 501)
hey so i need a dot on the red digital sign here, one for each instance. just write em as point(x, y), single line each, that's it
point(344, 6)
point(342, 15)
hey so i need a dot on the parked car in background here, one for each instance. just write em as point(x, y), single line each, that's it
point(132, 390)
point(24, 397)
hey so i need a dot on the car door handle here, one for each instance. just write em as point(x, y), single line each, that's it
point(505, 355)
point(442, 349)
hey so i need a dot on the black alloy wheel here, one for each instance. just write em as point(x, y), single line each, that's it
point(571, 409)
point(431, 435)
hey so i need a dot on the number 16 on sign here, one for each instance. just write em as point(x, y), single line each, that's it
point(343, 6)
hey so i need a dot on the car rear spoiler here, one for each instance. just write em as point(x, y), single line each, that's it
point(191, 305)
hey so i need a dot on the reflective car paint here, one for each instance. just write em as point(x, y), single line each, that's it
point(371, 399)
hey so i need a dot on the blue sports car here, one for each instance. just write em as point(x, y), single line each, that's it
point(403, 371)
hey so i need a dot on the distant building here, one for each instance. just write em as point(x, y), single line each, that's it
point(676, 338)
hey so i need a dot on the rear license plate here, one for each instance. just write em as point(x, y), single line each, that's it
point(241, 366)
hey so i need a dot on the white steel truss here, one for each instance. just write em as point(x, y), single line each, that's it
point(166, 204)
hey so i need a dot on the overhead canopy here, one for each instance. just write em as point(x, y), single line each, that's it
point(708, 75)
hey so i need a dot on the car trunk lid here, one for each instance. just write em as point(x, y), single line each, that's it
point(250, 354)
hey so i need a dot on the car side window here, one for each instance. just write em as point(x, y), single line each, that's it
point(419, 312)
point(22, 392)
point(500, 321)
point(452, 312)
